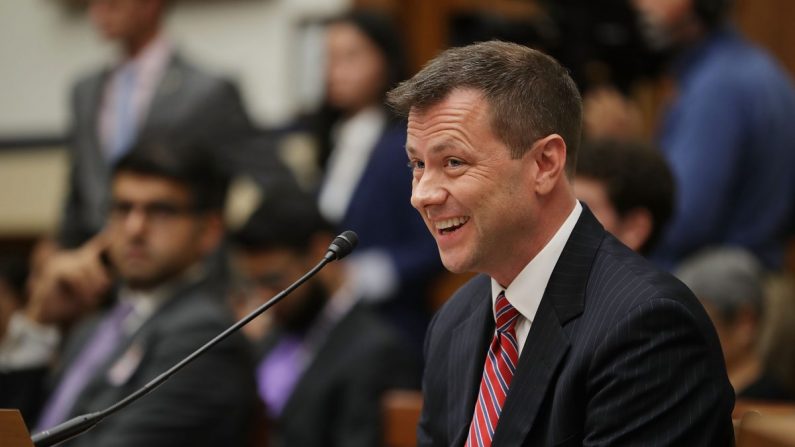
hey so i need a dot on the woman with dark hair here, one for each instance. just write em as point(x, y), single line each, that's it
point(364, 59)
point(364, 187)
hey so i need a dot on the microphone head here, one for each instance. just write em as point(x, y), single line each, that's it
point(342, 245)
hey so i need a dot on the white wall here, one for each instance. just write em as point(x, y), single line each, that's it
point(44, 47)
point(31, 191)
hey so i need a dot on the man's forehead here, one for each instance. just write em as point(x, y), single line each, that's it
point(459, 114)
point(145, 186)
point(460, 97)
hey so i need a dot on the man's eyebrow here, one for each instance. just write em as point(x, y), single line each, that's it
point(437, 148)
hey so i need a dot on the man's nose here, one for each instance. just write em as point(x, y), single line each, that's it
point(135, 222)
point(428, 190)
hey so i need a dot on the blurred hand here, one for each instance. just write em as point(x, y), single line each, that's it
point(69, 283)
point(607, 114)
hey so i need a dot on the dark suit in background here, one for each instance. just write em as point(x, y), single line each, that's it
point(618, 354)
point(210, 402)
point(189, 106)
point(337, 400)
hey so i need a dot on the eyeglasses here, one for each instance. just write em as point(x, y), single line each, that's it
point(155, 212)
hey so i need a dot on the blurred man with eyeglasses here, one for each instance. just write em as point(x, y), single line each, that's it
point(136, 300)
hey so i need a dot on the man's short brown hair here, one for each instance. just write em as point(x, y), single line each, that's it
point(530, 94)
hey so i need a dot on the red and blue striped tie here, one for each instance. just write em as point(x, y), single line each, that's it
point(498, 371)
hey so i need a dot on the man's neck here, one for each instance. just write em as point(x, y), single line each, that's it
point(555, 212)
point(133, 46)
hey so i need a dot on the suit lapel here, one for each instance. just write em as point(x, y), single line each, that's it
point(140, 340)
point(547, 343)
point(93, 158)
point(91, 104)
point(543, 351)
point(101, 383)
point(162, 105)
point(326, 356)
point(470, 340)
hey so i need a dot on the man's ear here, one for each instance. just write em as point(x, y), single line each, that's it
point(635, 227)
point(549, 155)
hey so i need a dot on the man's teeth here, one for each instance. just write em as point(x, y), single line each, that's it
point(453, 223)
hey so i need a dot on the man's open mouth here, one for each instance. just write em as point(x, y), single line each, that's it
point(449, 225)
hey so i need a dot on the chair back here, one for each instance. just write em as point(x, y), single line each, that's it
point(401, 413)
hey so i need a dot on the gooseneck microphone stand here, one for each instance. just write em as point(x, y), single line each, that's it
point(340, 247)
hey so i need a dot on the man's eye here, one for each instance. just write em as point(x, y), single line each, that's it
point(415, 164)
point(120, 209)
point(163, 210)
point(454, 163)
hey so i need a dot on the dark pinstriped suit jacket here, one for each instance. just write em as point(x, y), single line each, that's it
point(619, 353)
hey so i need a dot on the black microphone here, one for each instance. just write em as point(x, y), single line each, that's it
point(340, 247)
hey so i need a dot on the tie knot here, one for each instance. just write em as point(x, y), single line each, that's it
point(504, 313)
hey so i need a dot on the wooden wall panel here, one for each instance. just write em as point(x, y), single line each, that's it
point(769, 23)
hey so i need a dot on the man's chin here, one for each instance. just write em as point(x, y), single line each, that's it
point(140, 283)
point(455, 265)
point(140, 279)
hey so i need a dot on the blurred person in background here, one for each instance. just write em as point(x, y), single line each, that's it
point(628, 187)
point(726, 133)
point(729, 283)
point(326, 357)
point(25, 354)
point(149, 91)
point(137, 300)
point(365, 184)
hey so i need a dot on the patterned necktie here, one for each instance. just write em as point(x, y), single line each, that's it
point(498, 371)
point(97, 351)
point(124, 113)
point(279, 372)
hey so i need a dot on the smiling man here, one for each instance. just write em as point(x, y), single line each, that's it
point(567, 337)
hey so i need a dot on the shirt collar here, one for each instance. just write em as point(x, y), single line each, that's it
point(146, 302)
point(152, 59)
point(527, 289)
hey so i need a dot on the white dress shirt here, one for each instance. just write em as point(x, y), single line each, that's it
point(146, 303)
point(527, 289)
